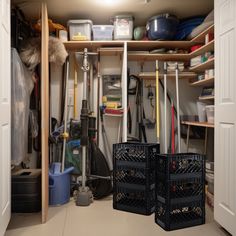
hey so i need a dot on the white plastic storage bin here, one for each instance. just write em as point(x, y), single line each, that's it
point(102, 32)
point(123, 27)
point(80, 29)
point(210, 110)
point(201, 109)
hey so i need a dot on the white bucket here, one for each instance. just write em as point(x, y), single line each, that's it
point(201, 108)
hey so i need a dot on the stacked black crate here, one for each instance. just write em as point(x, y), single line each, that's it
point(180, 191)
point(134, 177)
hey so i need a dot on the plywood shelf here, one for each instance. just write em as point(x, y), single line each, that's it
point(170, 75)
point(202, 98)
point(205, 48)
point(199, 124)
point(159, 56)
point(201, 37)
point(91, 45)
point(151, 45)
point(203, 82)
point(204, 66)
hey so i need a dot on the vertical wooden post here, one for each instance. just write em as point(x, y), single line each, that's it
point(44, 109)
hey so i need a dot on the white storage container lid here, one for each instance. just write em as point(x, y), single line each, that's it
point(70, 22)
point(130, 17)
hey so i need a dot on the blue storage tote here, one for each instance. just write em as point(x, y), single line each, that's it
point(59, 185)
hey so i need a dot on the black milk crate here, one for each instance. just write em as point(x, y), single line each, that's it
point(182, 165)
point(135, 154)
point(134, 178)
point(135, 201)
point(178, 216)
point(180, 190)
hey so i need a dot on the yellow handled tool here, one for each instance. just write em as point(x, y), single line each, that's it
point(157, 103)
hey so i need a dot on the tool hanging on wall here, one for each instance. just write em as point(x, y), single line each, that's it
point(177, 103)
point(165, 107)
point(172, 128)
point(98, 96)
point(151, 121)
point(157, 104)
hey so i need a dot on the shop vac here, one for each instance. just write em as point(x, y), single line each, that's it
point(95, 180)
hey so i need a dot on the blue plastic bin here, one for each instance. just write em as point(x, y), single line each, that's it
point(59, 184)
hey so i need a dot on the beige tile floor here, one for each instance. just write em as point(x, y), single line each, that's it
point(99, 219)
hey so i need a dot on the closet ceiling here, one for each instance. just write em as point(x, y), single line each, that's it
point(101, 11)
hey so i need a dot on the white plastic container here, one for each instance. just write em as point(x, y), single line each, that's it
point(80, 29)
point(201, 108)
point(102, 32)
point(123, 27)
point(63, 35)
point(210, 111)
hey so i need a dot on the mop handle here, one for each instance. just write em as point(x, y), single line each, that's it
point(165, 106)
point(157, 103)
point(172, 128)
point(75, 94)
point(178, 110)
point(65, 119)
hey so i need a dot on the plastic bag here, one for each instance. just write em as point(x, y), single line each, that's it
point(21, 88)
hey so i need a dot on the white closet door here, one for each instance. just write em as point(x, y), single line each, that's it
point(225, 114)
point(5, 118)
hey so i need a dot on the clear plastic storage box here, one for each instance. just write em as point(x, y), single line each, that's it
point(80, 29)
point(123, 27)
point(102, 32)
point(210, 110)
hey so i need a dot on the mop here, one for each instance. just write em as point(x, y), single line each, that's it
point(65, 134)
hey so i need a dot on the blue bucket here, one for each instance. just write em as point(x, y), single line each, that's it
point(59, 184)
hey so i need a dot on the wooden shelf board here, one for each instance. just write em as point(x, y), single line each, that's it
point(159, 56)
point(91, 45)
point(204, 66)
point(201, 37)
point(197, 123)
point(203, 82)
point(152, 75)
point(114, 51)
point(151, 45)
point(206, 98)
point(205, 48)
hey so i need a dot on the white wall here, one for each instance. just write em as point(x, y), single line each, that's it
point(113, 65)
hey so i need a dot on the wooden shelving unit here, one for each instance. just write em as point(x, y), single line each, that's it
point(204, 66)
point(204, 98)
point(152, 75)
point(201, 37)
point(205, 48)
point(203, 82)
point(197, 123)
